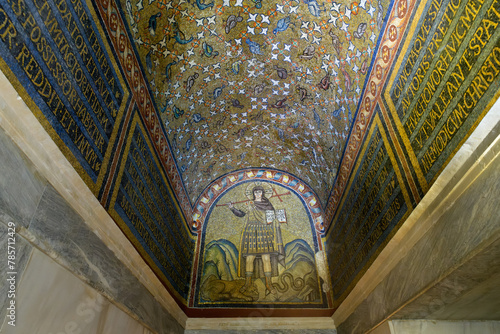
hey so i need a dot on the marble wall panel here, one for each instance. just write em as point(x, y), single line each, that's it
point(59, 230)
point(50, 299)
point(444, 327)
point(267, 331)
point(462, 230)
point(22, 253)
point(53, 222)
point(384, 328)
point(437, 327)
point(485, 295)
point(118, 321)
point(471, 292)
point(46, 221)
point(20, 185)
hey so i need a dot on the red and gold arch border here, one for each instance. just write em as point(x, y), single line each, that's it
point(115, 26)
point(217, 188)
point(392, 36)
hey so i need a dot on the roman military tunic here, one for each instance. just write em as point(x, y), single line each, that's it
point(259, 238)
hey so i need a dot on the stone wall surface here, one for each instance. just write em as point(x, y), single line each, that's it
point(444, 327)
point(46, 224)
point(52, 300)
point(258, 331)
point(458, 252)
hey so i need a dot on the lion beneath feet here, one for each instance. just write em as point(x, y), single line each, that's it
point(214, 289)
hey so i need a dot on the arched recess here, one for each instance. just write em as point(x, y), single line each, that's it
point(222, 184)
point(297, 215)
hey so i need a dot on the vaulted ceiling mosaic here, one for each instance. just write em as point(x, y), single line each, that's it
point(256, 83)
point(267, 148)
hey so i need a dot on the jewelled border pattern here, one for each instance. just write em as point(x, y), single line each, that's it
point(219, 186)
point(116, 29)
point(392, 37)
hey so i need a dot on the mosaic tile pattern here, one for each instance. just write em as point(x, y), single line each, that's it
point(157, 103)
point(248, 83)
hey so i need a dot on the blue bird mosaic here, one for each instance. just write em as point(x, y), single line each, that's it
point(218, 91)
point(168, 70)
point(258, 3)
point(189, 142)
point(202, 5)
point(198, 118)
point(317, 118)
point(336, 112)
point(179, 35)
point(235, 67)
point(152, 23)
point(164, 107)
point(177, 112)
point(254, 48)
point(314, 8)
point(208, 50)
point(282, 25)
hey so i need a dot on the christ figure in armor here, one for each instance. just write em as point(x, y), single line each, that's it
point(261, 248)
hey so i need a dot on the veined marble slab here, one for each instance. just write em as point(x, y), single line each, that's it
point(261, 331)
point(51, 300)
point(21, 187)
point(257, 323)
point(22, 253)
point(444, 327)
